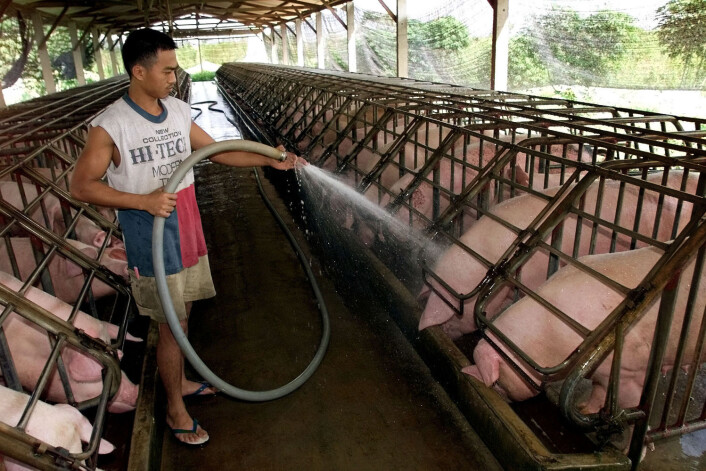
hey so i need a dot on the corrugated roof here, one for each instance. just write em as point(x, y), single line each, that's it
point(195, 18)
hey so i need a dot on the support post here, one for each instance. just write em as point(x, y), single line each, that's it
point(268, 45)
point(274, 58)
point(97, 53)
point(3, 105)
point(320, 41)
point(285, 49)
point(350, 21)
point(402, 45)
point(300, 42)
point(113, 59)
point(501, 45)
point(78, 57)
point(43, 53)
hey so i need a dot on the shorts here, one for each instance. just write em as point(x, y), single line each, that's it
point(190, 284)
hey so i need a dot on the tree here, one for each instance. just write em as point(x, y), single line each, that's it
point(589, 46)
point(682, 32)
point(15, 42)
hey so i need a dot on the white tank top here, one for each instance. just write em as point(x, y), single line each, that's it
point(151, 147)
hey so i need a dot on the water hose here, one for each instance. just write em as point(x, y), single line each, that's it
point(163, 289)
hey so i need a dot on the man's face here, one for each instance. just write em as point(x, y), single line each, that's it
point(159, 79)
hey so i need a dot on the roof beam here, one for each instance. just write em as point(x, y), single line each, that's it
point(389, 12)
point(328, 7)
point(53, 26)
point(3, 7)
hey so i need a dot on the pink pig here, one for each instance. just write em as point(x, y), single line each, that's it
point(490, 239)
point(58, 425)
point(30, 349)
point(67, 277)
point(87, 231)
point(588, 301)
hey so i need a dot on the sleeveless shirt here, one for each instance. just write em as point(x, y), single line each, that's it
point(151, 148)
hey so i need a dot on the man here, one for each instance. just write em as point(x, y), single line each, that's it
point(138, 141)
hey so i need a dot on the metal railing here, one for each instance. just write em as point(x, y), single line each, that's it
point(64, 247)
point(602, 179)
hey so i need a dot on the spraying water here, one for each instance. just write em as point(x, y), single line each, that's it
point(350, 209)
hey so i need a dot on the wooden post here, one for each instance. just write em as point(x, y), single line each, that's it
point(43, 53)
point(113, 59)
point(320, 41)
point(501, 46)
point(402, 45)
point(97, 53)
point(78, 57)
point(300, 42)
point(285, 49)
point(268, 45)
point(2, 99)
point(350, 22)
point(274, 59)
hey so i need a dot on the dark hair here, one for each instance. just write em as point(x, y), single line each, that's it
point(141, 47)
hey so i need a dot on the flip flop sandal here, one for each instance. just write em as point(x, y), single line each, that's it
point(177, 431)
point(204, 385)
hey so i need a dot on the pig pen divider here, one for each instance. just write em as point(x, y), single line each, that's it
point(40, 228)
point(373, 131)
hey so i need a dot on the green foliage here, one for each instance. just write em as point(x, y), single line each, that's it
point(525, 66)
point(205, 76)
point(216, 53)
point(442, 33)
point(187, 56)
point(447, 33)
point(682, 32)
point(584, 48)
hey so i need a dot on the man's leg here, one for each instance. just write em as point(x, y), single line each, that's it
point(170, 362)
point(189, 387)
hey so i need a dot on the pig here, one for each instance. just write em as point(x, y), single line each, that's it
point(490, 239)
point(60, 425)
point(61, 182)
point(30, 349)
point(67, 277)
point(304, 141)
point(86, 230)
point(587, 300)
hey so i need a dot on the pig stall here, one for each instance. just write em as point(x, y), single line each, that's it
point(525, 245)
point(63, 289)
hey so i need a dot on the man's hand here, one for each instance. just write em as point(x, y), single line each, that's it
point(159, 203)
point(291, 162)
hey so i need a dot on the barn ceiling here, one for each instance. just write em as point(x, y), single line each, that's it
point(201, 18)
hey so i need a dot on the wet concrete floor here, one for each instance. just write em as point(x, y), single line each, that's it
point(372, 404)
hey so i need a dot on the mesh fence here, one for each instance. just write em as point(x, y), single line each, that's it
point(573, 48)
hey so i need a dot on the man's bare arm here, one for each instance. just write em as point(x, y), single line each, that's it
point(200, 138)
point(87, 184)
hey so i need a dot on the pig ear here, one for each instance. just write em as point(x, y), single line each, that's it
point(99, 238)
point(521, 176)
point(418, 198)
point(113, 333)
point(487, 369)
point(473, 371)
point(105, 447)
point(82, 368)
point(74, 270)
